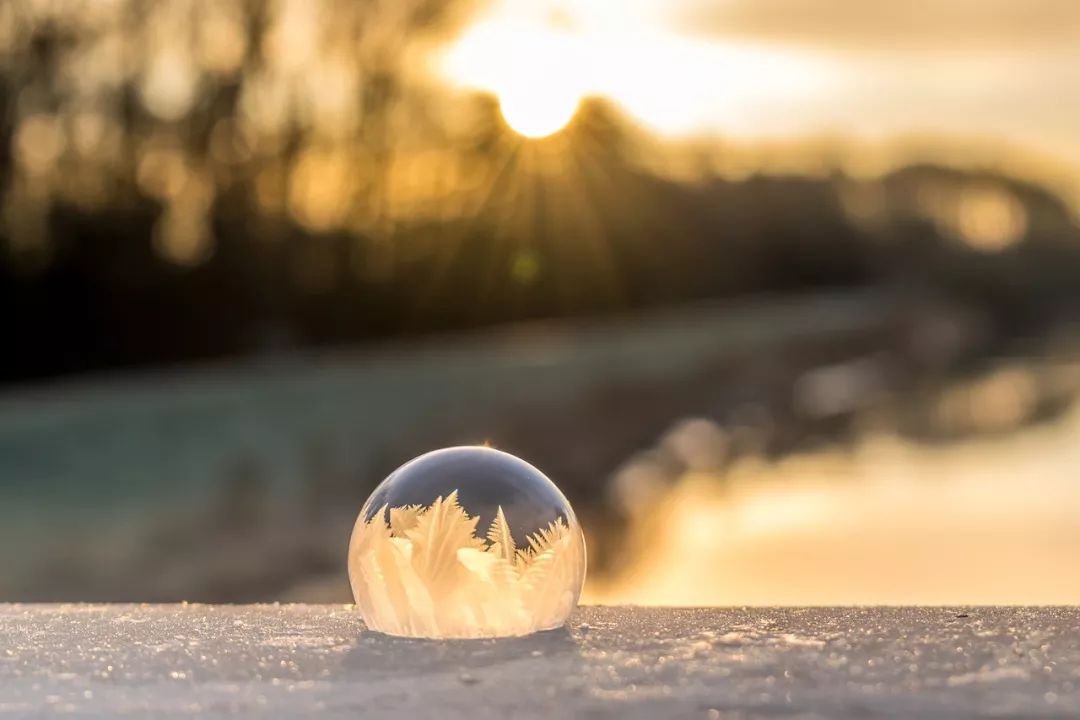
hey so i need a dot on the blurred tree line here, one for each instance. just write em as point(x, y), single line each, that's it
point(184, 180)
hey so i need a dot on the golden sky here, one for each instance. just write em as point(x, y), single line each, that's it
point(1003, 71)
point(935, 24)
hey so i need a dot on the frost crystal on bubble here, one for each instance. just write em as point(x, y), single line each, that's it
point(428, 570)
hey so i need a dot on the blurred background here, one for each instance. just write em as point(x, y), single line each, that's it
point(783, 295)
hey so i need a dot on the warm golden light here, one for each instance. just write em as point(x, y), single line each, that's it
point(538, 111)
point(867, 524)
point(540, 65)
point(536, 73)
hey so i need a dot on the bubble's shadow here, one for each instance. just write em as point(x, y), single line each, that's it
point(378, 653)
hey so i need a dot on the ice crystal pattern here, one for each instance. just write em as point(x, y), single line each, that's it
point(425, 572)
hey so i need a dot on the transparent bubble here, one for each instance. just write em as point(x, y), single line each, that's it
point(466, 542)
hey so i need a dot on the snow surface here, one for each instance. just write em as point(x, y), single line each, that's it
point(303, 660)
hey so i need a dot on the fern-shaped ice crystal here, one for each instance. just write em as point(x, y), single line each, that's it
point(424, 572)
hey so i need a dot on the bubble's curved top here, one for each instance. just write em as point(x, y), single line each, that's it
point(485, 479)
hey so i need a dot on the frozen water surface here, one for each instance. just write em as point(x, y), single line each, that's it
point(302, 661)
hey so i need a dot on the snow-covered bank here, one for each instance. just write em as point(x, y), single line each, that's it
point(318, 661)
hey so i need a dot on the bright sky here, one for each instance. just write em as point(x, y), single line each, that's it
point(1007, 69)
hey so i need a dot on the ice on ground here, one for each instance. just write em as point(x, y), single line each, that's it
point(303, 661)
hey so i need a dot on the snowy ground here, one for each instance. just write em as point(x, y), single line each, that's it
point(301, 661)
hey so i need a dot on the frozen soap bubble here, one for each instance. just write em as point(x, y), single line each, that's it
point(466, 542)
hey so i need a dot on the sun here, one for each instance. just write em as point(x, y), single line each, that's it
point(538, 110)
point(540, 64)
point(537, 74)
